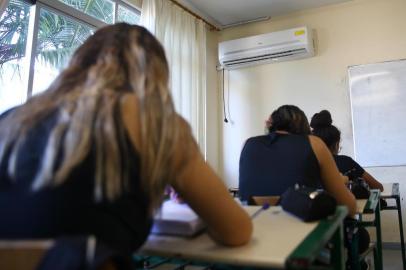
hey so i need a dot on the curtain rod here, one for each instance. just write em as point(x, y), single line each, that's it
point(212, 26)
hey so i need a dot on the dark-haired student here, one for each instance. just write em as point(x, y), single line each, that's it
point(322, 127)
point(289, 155)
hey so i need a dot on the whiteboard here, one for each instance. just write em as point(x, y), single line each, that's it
point(378, 104)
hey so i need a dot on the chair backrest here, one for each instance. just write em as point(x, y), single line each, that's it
point(19, 255)
point(261, 200)
point(27, 254)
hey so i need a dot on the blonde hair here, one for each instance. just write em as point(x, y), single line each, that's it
point(115, 61)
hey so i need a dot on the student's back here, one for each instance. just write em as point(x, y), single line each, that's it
point(349, 167)
point(288, 155)
point(69, 208)
point(271, 163)
point(94, 152)
point(323, 127)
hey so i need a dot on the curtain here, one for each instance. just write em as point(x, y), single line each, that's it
point(3, 6)
point(184, 38)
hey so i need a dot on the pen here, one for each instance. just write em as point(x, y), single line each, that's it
point(264, 207)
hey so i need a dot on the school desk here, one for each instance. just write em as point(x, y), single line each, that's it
point(367, 207)
point(279, 241)
point(391, 191)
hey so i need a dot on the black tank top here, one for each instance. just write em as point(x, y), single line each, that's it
point(271, 163)
point(347, 166)
point(70, 208)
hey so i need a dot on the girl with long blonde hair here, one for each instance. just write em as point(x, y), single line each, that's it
point(93, 153)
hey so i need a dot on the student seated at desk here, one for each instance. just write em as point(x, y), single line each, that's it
point(289, 155)
point(93, 154)
point(323, 128)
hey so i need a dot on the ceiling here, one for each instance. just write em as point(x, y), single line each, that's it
point(225, 13)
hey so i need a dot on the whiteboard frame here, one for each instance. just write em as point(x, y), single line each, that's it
point(352, 109)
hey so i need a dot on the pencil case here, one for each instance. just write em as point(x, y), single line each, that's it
point(308, 204)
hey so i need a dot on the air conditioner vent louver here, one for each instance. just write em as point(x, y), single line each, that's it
point(284, 45)
point(271, 56)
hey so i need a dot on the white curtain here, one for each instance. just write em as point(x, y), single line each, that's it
point(184, 39)
point(3, 6)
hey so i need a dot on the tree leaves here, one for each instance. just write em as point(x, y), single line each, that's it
point(58, 36)
point(14, 31)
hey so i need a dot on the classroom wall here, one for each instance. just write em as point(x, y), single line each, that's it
point(352, 33)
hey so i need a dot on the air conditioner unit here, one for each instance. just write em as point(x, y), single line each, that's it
point(278, 46)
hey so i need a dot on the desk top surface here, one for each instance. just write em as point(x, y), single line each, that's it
point(389, 190)
point(276, 235)
point(361, 203)
point(368, 206)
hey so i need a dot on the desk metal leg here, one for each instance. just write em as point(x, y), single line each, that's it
point(338, 250)
point(352, 238)
point(354, 253)
point(378, 237)
point(376, 258)
point(402, 242)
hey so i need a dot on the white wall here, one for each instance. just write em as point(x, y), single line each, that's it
point(356, 32)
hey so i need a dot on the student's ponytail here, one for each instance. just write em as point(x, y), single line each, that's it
point(322, 127)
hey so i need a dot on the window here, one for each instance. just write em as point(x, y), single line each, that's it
point(58, 38)
point(100, 9)
point(13, 44)
point(36, 42)
point(127, 15)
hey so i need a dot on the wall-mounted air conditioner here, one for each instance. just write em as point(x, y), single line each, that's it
point(278, 46)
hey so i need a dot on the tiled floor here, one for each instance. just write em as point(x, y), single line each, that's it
point(392, 260)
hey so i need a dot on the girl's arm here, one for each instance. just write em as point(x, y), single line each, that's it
point(203, 190)
point(331, 177)
point(371, 181)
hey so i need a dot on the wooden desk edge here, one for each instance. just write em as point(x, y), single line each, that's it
point(310, 247)
point(28, 244)
point(197, 259)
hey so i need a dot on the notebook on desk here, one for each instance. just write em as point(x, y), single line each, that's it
point(177, 219)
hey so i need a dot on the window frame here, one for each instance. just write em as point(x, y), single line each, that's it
point(125, 5)
point(61, 9)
